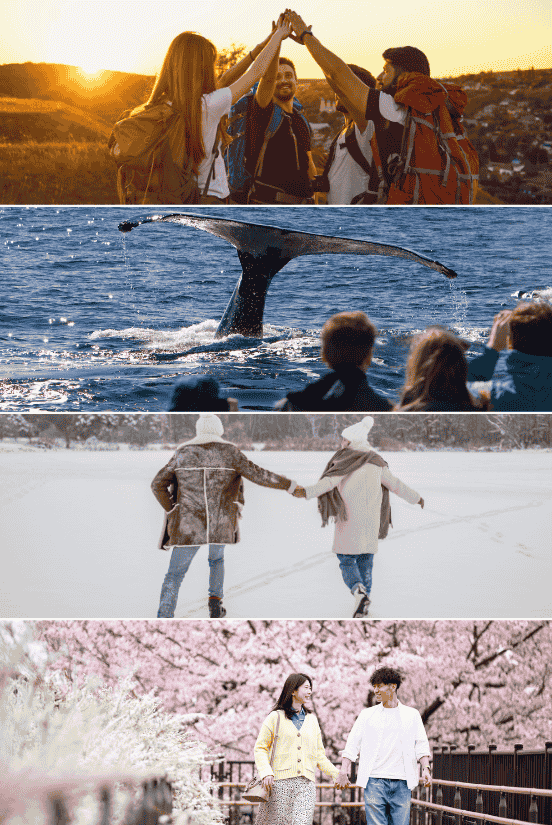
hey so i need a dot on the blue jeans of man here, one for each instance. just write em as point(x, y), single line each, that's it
point(181, 558)
point(357, 569)
point(387, 802)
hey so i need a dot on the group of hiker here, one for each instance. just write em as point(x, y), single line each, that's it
point(243, 138)
point(514, 373)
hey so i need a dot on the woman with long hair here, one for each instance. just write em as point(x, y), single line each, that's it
point(436, 375)
point(297, 753)
point(187, 83)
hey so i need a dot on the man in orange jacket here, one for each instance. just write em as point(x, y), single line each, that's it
point(420, 148)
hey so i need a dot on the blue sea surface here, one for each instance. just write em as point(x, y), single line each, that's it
point(93, 319)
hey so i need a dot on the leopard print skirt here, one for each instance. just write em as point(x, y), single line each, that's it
point(291, 803)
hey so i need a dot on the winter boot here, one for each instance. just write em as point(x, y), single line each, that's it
point(216, 608)
point(362, 602)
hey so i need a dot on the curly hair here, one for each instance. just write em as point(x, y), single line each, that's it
point(386, 676)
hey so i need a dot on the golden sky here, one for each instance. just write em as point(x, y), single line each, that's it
point(133, 35)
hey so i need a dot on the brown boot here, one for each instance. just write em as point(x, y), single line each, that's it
point(216, 608)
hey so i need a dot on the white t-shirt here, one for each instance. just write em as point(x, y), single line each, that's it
point(348, 179)
point(389, 762)
point(215, 105)
point(390, 110)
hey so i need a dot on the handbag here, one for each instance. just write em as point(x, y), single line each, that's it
point(255, 791)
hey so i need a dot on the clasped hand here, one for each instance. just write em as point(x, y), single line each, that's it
point(291, 21)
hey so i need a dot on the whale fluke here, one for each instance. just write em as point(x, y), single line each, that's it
point(263, 251)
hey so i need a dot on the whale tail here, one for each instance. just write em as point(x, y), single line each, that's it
point(263, 251)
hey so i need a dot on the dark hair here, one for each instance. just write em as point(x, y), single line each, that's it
point(289, 63)
point(347, 338)
point(531, 328)
point(293, 681)
point(197, 393)
point(386, 676)
point(408, 58)
point(436, 371)
point(363, 74)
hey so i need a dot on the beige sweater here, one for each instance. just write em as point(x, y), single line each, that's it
point(297, 752)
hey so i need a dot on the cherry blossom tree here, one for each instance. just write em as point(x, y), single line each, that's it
point(474, 682)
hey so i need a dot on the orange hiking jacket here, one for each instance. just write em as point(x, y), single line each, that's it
point(438, 164)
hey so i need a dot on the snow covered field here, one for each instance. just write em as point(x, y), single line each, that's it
point(79, 534)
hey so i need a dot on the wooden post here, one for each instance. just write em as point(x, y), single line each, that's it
point(457, 804)
point(105, 805)
point(58, 810)
point(503, 805)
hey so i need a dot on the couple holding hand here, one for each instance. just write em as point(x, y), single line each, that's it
point(388, 738)
point(201, 491)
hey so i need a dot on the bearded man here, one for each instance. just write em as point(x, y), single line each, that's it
point(279, 140)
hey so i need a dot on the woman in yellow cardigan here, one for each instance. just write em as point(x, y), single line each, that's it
point(298, 751)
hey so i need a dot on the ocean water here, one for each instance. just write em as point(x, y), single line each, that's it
point(93, 319)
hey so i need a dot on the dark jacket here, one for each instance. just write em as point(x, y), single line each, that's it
point(201, 489)
point(344, 390)
point(520, 382)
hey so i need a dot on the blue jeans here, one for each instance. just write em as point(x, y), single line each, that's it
point(387, 802)
point(357, 570)
point(181, 558)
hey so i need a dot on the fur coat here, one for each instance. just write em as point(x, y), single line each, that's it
point(201, 490)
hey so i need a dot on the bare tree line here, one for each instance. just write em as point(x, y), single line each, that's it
point(302, 431)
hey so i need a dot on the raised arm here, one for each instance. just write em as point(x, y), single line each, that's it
point(235, 72)
point(261, 64)
point(343, 81)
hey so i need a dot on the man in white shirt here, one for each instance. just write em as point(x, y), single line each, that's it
point(391, 740)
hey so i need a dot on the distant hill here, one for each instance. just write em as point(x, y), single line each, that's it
point(103, 96)
point(45, 121)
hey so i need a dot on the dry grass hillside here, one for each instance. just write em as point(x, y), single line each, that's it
point(51, 153)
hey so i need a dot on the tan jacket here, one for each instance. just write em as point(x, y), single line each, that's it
point(201, 490)
point(297, 753)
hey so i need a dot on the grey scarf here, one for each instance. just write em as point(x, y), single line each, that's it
point(344, 462)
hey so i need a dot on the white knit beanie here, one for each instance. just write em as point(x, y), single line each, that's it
point(209, 424)
point(357, 434)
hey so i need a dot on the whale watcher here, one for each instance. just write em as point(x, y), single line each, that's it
point(518, 359)
point(200, 393)
point(420, 147)
point(354, 491)
point(347, 347)
point(177, 143)
point(201, 491)
point(436, 375)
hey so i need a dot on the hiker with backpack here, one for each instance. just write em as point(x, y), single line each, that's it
point(168, 150)
point(269, 160)
point(421, 151)
point(350, 175)
point(354, 491)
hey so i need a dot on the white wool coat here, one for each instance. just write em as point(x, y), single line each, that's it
point(361, 492)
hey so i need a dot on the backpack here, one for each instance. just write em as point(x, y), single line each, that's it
point(149, 148)
point(351, 143)
point(239, 178)
point(437, 163)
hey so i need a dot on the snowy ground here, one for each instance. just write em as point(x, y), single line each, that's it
point(79, 533)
